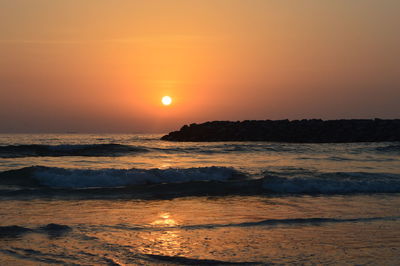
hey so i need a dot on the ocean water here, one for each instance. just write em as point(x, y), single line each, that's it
point(135, 200)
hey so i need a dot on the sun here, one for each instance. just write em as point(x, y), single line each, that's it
point(166, 100)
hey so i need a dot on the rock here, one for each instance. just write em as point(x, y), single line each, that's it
point(298, 131)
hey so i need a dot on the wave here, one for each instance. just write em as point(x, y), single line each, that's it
point(224, 148)
point(53, 177)
point(389, 149)
point(112, 149)
point(313, 221)
point(13, 231)
point(333, 183)
point(190, 261)
point(95, 150)
point(52, 230)
point(199, 181)
point(296, 222)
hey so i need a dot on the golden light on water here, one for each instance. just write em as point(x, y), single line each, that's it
point(166, 100)
point(164, 220)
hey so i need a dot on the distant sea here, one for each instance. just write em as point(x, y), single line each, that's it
point(75, 199)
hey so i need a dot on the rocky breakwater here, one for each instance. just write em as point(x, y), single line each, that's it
point(300, 131)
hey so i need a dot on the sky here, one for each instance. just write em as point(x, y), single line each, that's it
point(104, 65)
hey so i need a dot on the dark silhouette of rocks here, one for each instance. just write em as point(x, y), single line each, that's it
point(300, 131)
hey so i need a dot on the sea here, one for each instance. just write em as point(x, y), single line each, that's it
point(103, 199)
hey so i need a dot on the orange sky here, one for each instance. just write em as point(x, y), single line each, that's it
point(103, 66)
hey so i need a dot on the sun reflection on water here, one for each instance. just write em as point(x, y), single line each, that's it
point(164, 219)
point(168, 242)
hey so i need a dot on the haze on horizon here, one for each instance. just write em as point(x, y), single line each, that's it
point(103, 66)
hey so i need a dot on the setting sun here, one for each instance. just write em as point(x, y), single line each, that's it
point(199, 132)
point(166, 100)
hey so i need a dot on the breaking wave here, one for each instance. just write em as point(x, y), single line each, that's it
point(197, 181)
point(96, 150)
point(110, 178)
